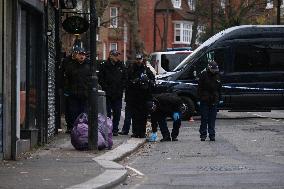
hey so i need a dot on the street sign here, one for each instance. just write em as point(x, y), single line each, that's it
point(75, 25)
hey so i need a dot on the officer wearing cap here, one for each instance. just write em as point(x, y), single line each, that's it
point(76, 73)
point(112, 78)
point(209, 92)
point(139, 91)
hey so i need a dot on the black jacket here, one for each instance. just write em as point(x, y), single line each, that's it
point(167, 104)
point(139, 84)
point(112, 78)
point(209, 88)
point(77, 77)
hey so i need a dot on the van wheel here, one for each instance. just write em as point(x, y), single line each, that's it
point(190, 108)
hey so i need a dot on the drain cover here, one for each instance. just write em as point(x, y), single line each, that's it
point(224, 168)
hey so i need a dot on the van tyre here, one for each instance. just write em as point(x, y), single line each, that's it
point(190, 108)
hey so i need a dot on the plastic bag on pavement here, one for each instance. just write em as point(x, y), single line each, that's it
point(105, 128)
point(79, 134)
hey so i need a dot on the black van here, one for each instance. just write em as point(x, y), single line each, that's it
point(251, 63)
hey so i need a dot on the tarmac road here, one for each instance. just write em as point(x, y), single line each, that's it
point(248, 153)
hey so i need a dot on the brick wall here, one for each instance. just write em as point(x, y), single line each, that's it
point(146, 23)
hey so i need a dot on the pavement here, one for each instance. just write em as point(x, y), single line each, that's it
point(59, 165)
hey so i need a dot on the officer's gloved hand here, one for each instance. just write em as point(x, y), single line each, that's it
point(221, 102)
point(176, 116)
point(144, 78)
point(153, 137)
point(198, 103)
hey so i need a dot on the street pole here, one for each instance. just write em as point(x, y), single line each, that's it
point(278, 12)
point(93, 92)
point(211, 18)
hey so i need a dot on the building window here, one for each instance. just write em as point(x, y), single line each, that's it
point(223, 4)
point(269, 4)
point(191, 4)
point(176, 3)
point(113, 17)
point(113, 46)
point(282, 4)
point(183, 32)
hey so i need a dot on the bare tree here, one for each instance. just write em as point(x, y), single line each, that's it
point(234, 13)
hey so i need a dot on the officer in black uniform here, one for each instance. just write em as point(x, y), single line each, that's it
point(139, 91)
point(209, 91)
point(112, 78)
point(77, 81)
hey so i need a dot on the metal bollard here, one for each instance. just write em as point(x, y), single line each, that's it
point(102, 102)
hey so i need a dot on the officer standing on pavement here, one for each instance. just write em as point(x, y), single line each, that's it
point(166, 105)
point(139, 91)
point(209, 92)
point(76, 72)
point(112, 78)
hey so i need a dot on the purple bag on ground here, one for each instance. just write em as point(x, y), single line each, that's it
point(105, 128)
point(79, 134)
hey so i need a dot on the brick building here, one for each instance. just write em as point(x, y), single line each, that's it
point(161, 24)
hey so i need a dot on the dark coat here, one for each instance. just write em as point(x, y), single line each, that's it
point(112, 78)
point(167, 104)
point(209, 88)
point(77, 77)
point(139, 89)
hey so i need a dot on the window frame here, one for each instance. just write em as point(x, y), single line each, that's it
point(269, 4)
point(185, 33)
point(113, 18)
point(192, 5)
point(223, 4)
point(176, 4)
point(113, 43)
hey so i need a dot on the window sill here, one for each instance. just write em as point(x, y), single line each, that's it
point(180, 43)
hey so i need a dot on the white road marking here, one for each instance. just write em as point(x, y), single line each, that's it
point(136, 171)
point(258, 115)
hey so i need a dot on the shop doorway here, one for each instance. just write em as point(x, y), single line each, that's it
point(30, 63)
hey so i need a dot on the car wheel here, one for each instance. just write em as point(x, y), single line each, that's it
point(190, 108)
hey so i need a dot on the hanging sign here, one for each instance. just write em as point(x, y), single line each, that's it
point(75, 25)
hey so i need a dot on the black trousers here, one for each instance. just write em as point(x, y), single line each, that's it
point(74, 107)
point(160, 120)
point(139, 114)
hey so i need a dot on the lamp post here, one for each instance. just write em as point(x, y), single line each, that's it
point(278, 12)
point(93, 92)
point(212, 18)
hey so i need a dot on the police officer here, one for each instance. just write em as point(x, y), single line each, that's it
point(209, 92)
point(77, 82)
point(166, 105)
point(139, 92)
point(112, 78)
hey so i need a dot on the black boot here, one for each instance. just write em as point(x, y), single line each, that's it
point(164, 139)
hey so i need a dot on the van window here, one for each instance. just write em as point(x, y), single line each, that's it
point(218, 55)
point(200, 65)
point(259, 57)
point(194, 71)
